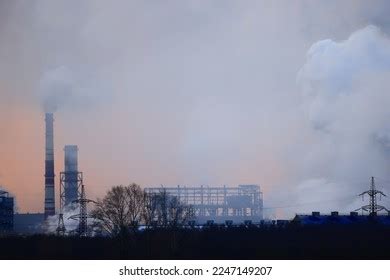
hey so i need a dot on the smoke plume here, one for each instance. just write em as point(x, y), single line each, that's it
point(346, 95)
point(51, 223)
point(61, 88)
point(57, 88)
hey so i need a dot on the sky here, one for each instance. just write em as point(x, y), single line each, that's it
point(290, 95)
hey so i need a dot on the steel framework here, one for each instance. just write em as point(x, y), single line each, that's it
point(77, 178)
point(65, 178)
point(373, 207)
point(83, 216)
point(219, 204)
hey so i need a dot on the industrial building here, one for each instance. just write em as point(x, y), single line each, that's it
point(219, 204)
point(334, 218)
point(6, 212)
point(29, 223)
point(372, 209)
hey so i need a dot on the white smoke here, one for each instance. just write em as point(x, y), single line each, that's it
point(70, 224)
point(71, 221)
point(338, 76)
point(57, 86)
point(345, 87)
point(62, 87)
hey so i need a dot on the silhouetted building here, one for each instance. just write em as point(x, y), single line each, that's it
point(336, 219)
point(29, 223)
point(6, 212)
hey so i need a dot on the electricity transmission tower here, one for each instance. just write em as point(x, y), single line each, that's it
point(83, 215)
point(373, 207)
point(61, 226)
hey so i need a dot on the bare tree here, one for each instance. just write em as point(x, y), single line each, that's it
point(171, 212)
point(124, 208)
point(135, 204)
point(150, 209)
point(162, 208)
point(179, 214)
point(120, 210)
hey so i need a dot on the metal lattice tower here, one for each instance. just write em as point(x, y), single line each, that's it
point(373, 208)
point(238, 204)
point(61, 226)
point(64, 177)
point(83, 215)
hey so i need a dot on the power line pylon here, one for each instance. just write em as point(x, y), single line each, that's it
point(83, 215)
point(373, 208)
point(61, 226)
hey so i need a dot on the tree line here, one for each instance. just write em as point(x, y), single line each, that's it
point(124, 208)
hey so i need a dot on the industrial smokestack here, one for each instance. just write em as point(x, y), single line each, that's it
point(71, 174)
point(49, 167)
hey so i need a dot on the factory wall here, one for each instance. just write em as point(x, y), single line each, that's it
point(6, 213)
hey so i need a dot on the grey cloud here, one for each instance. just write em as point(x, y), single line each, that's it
point(196, 92)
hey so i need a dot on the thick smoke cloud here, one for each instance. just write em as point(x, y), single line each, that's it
point(57, 88)
point(346, 93)
point(62, 88)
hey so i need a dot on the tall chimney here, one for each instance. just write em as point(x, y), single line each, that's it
point(71, 174)
point(49, 167)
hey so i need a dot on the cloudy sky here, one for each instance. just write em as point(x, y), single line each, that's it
point(291, 95)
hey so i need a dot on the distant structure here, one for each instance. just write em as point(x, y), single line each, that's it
point(71, 179)
point(318, 219)
point(6, 212)
point(29, 223)
point(71, 187)
point(49, 167)
point(373, 207)
point(219, 204)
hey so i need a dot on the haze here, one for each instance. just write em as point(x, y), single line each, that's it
point(290, 95)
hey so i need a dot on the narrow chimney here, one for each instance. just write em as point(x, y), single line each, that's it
point(49, 167)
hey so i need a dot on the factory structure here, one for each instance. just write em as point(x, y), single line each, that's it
point(70, 188)
point(71, 179)
point(242, 204)
point(209, 205)
point(6, 212)
point(373, 209)
point(336, 218)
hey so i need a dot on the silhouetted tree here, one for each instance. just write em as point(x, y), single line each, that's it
point(150, 208)
point(135, 204)
point(171, 212)
point(120, 210)
point(124, 208)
